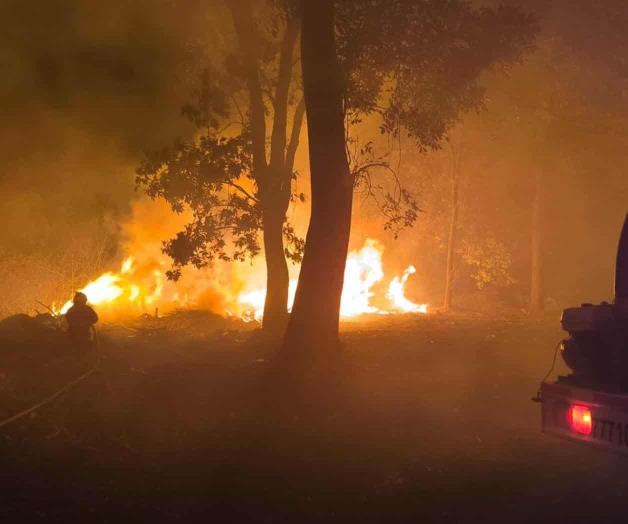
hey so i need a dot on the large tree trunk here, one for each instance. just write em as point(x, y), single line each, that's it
point(451, 244)
point(313, 325)
point(537, 298)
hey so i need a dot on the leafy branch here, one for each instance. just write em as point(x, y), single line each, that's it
point(398, 206)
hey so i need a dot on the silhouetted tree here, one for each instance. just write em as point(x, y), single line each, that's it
point(452, 234)
point(236, 177)
point(415, 64)
point(314, 318)
point(238, 183)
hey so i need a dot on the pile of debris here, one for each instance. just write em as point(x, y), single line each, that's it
point(25, 330)
point(47, 330)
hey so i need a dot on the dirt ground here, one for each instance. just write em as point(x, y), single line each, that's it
point(428, 420)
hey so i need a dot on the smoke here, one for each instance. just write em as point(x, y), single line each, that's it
point(215, 287)
point(87, 86)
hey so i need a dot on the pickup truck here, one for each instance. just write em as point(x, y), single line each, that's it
point(590, 405)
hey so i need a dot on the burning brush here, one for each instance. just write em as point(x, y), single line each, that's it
point(140, 286)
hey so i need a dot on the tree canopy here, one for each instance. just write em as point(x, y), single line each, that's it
point(416, 66)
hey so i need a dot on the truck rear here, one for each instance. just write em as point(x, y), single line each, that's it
point(590, 405)
point(586, 415)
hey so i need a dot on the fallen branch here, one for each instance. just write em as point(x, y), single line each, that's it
point(48, 308)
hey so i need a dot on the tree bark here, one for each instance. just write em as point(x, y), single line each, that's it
point(277, 278)
point(313, 325)
point(451, 243)
point(274, 175)
point(275, 191)
point(241, 13)
point(537, 298)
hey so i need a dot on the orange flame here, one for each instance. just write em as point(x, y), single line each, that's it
point(118, 289)
point(396, 294)
point(364, 269)
point(230, 289)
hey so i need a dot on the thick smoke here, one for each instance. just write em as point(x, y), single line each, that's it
point(86, 87)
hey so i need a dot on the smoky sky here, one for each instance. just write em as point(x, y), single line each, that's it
point(86, 87)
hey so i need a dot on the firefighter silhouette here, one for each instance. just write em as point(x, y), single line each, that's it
point(81, 319)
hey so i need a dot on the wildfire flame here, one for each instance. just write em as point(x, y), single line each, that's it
point(120, 289)
point(396, 294)
point(104, 289)
point(134, 289)
point(364, 269)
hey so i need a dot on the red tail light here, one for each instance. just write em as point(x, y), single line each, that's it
point(580, 419)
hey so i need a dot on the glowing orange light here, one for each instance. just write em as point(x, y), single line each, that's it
point(127, 265)
point(580, 419)
point(396, 294)
point(117, 289)
point(104, 289)
point(363, 271)
point(141, 284)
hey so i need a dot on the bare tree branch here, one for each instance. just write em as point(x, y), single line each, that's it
point(245, 28)
point(243, 191)
point(297, 123)
point(284, 78)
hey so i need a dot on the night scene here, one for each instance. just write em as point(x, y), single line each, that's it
point(314, 261)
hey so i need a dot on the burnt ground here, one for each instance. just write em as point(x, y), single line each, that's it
point(429, 420)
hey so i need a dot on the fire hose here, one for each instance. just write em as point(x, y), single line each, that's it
point(538, 397)
point(56, 394)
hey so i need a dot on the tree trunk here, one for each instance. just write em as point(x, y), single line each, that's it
point(275, 191)
point(313, 325)
point(536, 248)
point(277, 278)
point(451, 243)
point(273, 177)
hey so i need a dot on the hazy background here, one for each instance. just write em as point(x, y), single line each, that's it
point(87, 86)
